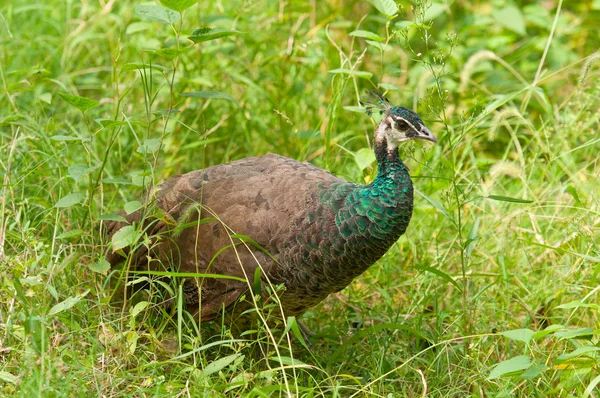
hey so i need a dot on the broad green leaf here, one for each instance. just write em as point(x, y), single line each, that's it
point(157, 13)
point(113, 217)
point(170, 53)
point(136, 27)
point(577, 304)
point(207, 34)
point(74, 233)
point(508, 199)
point(550, 329)
point(376, 44)
point(534, 371)
point(219, 364)
point(389, 8)
point(404, 24)
point(350, 72)
point(510, 366)
point(139, 307)
point(70, 200)
point(576, 353)
point(81, 103)
point(150, 145)
point(67, 303)
point(45, 97)
point(389, 86)
point(178, 5)
point(138, 66)
point(367, 35)
point(434, 11)
point(101, 266)
point(132, 206)
point(126, 236)
point(8, 377)
point(288, 361)
point(210, 94)
point(523, 335)
point(581, 333)
point(364, 158)
point(79, 170)
point(116, 180)
point(511, 18)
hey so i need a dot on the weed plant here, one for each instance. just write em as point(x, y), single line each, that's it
point(494, 289)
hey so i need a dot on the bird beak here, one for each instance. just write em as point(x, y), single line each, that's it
point(425, 134)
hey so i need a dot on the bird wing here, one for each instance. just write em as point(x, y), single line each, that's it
point(227, 220)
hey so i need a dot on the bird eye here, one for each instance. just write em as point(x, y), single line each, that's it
point(401, 125)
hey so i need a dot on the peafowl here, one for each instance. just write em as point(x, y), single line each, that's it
point(302, 227)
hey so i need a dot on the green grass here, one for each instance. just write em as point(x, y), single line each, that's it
point(493, 291)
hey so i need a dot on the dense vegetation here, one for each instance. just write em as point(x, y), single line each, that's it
point(493, 291)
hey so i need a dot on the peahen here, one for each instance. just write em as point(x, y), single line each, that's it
point(307, 229)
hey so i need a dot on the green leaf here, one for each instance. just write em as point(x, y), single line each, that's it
point(150, 145)
point(550, 329)
point(434, 11)
point(592, 385)
point(101, 266)
point(170, 53)
point(357, 109)
point(113, 217)
point(116, 180)
point(81, 103)
point(8, 377)
point(139, 66)
point(60, 137)
point(45, 97)
point(126, 236)
point(136, 27)
point(67, 303)
point(523, 335)
point(576, 353)
point(376, 44)
point(75, 233)
point(389, 8)
point(132, 206)
point(79, 170)
point(389, 86)
point(219, 364)
point(110, 122)
point(511, 18)
point(439, 273)
point(510, 366)
point(157, 13)
point(577, 304)
point(435, 204)
point(207, 34)
point(70, 200)
point(350, 72)
point(210, 94)
point(367, 35)
point(178, 5)
point(139, 307)
point(508, 199)
point(364, 158)
point(581, 333)
point(403, 24)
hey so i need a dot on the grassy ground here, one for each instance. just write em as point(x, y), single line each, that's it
point(493, 291)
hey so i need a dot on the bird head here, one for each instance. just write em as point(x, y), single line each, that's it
point(398, 123)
